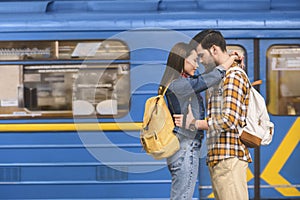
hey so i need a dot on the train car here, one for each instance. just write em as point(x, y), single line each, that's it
point(75, 75)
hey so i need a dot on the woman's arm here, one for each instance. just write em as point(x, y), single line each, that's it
point(190, 119)
point(210, 77)
point(186, 87)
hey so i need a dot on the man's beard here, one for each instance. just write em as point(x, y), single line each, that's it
point(210, 66)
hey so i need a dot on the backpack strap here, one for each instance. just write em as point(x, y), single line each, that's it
point(243, 72)
point(240, 70)
point(185, 113)
point(147, 124)
point(257, 82)
point(197, 136)
point(162, 90)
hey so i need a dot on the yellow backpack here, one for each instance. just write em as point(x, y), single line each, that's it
point(157, 137)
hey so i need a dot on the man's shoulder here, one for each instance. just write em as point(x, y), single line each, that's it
point(236, 72)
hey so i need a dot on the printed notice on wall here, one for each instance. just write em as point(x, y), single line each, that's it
point(8, 102)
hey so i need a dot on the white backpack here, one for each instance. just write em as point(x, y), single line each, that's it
point(259, 130)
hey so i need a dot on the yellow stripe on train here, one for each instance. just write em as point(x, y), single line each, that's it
point(271, 173)
point(110, 126)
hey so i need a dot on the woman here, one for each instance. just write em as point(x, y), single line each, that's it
point(184, 92)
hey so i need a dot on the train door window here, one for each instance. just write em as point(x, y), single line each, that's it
point(283, 64)
point(64, 78)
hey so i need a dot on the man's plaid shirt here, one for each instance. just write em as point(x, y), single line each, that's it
point(227, 107)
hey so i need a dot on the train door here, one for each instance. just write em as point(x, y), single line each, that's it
point(280, 71)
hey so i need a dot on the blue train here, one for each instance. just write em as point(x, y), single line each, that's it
point(74, 77)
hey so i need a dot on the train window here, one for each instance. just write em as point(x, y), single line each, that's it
point(283, 64)
point(64, 78)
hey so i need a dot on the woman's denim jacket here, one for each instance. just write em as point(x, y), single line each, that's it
point(184, 91)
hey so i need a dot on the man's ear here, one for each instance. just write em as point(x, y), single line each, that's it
point(213, 50)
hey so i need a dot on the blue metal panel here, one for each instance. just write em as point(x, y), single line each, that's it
point(122, 15)
point(104, 6)
point(65, 190)
point(27, 7)
point(57, 165)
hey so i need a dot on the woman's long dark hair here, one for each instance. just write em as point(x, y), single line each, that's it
point(175, 64)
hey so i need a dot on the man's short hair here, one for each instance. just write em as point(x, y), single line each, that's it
point(207, 38)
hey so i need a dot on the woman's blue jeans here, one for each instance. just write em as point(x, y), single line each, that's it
point(184, 171)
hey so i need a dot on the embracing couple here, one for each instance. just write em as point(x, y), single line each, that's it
point(228, 90)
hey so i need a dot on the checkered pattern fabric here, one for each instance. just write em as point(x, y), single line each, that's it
point(227, 108)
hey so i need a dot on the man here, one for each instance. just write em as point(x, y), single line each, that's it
point(227, 156)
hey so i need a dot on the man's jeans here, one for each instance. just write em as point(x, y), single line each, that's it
point(184, 172)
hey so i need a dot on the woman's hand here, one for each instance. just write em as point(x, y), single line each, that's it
point(178, 119)
point(200, 124)
point(239, 58)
